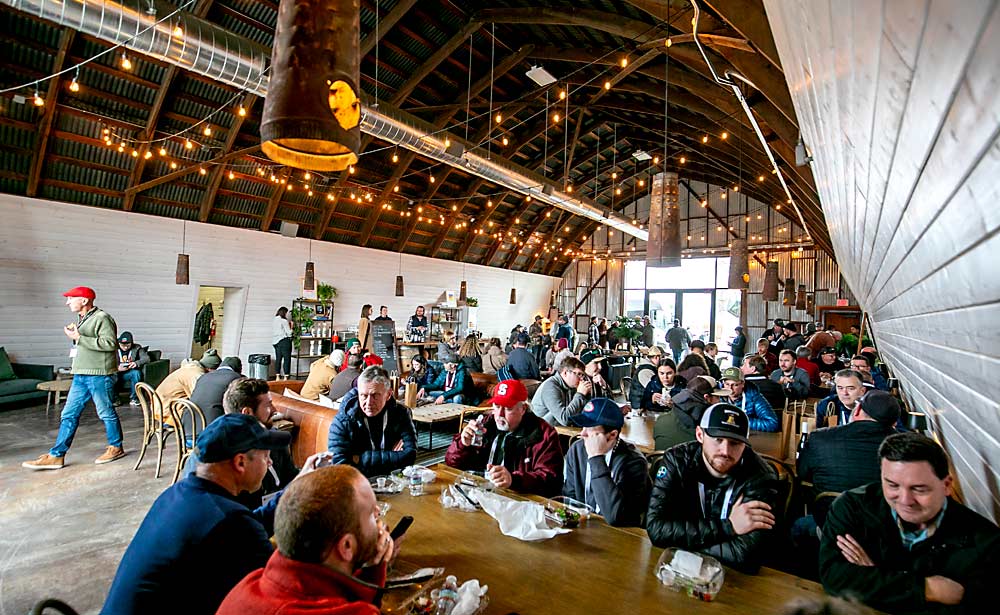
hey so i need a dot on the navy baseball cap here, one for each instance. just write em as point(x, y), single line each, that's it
point(601, 411)
point(726, 421)
point(232, 434)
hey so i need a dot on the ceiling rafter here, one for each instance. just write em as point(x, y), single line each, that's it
point(48, 114)
point(208, 200)
point(276, 195)
point(386, 23)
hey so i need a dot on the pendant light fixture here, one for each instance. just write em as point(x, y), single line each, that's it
point(739, 267)
point(309, 283)
point(801, 302)
point(183, 275)
point(399, 278)
point(789, 297)
point(513, 290)
point(770, 291)
point(463, 288)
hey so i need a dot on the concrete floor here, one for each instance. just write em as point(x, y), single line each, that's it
point(63, 532)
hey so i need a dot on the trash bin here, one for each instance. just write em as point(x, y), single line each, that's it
point(618, 367)
point(260, 366)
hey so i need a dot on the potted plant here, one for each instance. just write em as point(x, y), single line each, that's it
point(472, 302)
point(325, 292)
point(302, 320)
point(629, 329)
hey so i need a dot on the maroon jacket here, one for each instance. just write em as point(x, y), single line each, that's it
point(811, 368)
point(290, 587)
point(531, 453)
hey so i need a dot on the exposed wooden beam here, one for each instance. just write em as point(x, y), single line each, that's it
point(623, 74)
point(216, 179)
point(192, 168)
point(407, 231)
point(711, 40)
point(431, 64)
point(748, 18)
point(586, 295)
point(496, 247)
point(170, 73)
point(49, 113)
point(385, 24)
point(483, 224)
point(275, 200)
point(443, 232)
point(512, 257)
point(571, 152)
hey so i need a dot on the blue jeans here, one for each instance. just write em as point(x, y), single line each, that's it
point(101, 390)
point(457, 399)
point(129, 379)
point(677, 355)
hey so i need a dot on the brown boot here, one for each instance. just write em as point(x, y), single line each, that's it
point(45, 462)
point(113, 453)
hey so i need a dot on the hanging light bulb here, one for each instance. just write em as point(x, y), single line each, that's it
point(163, 151)
point(125, 62)
point(395, 188)
point(135, 153)
point(38, 100)
point(656, 160)
point(489, 203)
point(618, 190)
point(432, 179)
point(642, 183)
point(395, 157)
point(242, 111)
point(555, 118)
point(607, 85)
point(202, 170)
point(736, 188)
point(669, 43)
point(614, 175)
point(147, 155)
point(350, 169)
point(207, 131)
point(74, 85)
point(505, 141)
point(562, 94)
point(683, 159)
point(569, 187)
point(724, 135)
point(704, 139)
point(232, 176)
point(624, 62)
point(188, 144)
point(499, 118)
point(173, 164)
point(178, 31)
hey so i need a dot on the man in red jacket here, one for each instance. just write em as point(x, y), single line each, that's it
point(332, 551)
point(517, 449)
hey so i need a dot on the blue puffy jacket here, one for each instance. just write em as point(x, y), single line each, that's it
point(351, 442)
point(457, 386)
point(762, 417)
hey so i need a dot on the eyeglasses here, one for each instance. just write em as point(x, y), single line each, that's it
point(578, 374)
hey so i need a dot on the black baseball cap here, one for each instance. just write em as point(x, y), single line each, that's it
point(232, 434)
point(828, 350)
point(591, 355)
point(125, 337)
point(726, 421)
point(881, 406)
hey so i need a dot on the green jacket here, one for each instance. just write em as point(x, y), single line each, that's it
point(96, 349)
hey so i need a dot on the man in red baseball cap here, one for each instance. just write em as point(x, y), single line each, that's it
point(515, 448)
point(94, 340)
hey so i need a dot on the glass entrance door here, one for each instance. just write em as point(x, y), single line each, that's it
point(694, 308)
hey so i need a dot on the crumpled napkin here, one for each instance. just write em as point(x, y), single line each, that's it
point(469, 595)
point(426, 474)
point(450, 498)
point(521, 520)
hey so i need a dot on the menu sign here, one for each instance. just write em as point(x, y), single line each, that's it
point(383, 334)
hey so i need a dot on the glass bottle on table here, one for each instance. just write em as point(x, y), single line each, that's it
point(447, 596)
point(479, 436)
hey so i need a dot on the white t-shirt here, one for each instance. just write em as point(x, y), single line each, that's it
point(279, 329)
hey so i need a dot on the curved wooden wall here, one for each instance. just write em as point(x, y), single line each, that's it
point(899, 101)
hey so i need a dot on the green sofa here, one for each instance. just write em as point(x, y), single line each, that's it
point(156, 370)
point(25, 384)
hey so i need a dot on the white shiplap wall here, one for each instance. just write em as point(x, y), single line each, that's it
point(899, 101)
point(129, 259)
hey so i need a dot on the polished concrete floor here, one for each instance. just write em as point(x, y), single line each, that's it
point(63, 532)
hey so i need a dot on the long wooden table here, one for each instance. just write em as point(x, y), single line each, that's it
point(593, 569)
point(636, 430)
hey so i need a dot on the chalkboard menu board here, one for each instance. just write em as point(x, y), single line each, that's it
point(383, 334)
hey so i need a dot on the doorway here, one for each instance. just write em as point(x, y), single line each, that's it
point(217, 320)
point(694, 308)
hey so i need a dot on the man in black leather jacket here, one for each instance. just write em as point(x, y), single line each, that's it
point(372, 432)
point(716, 495)
point(904, 545)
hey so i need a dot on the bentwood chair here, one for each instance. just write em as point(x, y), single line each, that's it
point(56, 605)
point(155, 423)
point(191, 422)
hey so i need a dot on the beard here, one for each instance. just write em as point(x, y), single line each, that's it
point(502, 424)
point(367, 550)
point(720, 463)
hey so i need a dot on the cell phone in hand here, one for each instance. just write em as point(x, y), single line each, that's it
point(401, 527)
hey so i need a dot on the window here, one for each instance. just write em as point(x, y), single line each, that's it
point(693, 273)
point(635, 274)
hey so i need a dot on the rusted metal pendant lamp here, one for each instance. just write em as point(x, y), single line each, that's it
point(513, 289)
point(800, 298)
point(811, 305)
point(312, 114)
point(399, 278)
point(663, 248)
point(183, 275)
point(463, 288)
point(770, 291)
point(739, 265)
point(789, 296)
point(309, 283)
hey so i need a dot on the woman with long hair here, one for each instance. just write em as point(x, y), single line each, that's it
point(494, 358)
point(281, 338)
point(365, 329)
point(469, 354)
point(658, 392)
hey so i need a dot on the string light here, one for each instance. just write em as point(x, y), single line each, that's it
point(499, 118)
point(202, 170)
point(125, 62)
point(505, 141)
point(624, 61)
point(555, 118)
point(704, 139)
point(760, 178)
point(350, 169)
point(178, 31)
point(725, 135)
point(683, 159)
point(38, 100)
point(232, 176)
point(432, 179)
point(242, 111)
point(607, 85)
point(188, 144)
point(74, 85)
point(207, 131)
point(395, 157)
point(642, 183)
point(562, 94)
point(173, 164)
point(669, 43)
point(163, 151)
point(147, 155)
point(656, 160)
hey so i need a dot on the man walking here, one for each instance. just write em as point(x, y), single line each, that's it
point(94, 340)
point(678, 339)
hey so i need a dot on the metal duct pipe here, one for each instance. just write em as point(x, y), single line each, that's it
point(205, 48)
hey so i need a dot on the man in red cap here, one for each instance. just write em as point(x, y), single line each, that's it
point(95, 366)
point(516, 449)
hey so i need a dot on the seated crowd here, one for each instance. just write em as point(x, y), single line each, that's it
point(883, 529)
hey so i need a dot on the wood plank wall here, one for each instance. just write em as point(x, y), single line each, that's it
point(900, 104)
point(47, 248)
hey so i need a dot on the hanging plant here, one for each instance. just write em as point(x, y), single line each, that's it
point(471, 302)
